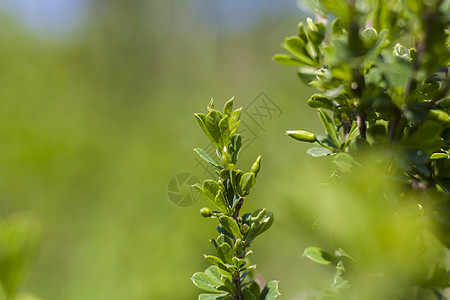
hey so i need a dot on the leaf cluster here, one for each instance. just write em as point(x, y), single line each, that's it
point(380, 69)
point(230, 275)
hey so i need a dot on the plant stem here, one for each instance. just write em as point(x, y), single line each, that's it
point(237, 283)
point(392, 127)
point(361, 121)
point(237, 209)
point(236, 276)
point(326, 146)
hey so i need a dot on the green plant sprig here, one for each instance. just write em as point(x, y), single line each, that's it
point(229, 276)
point(381, 96)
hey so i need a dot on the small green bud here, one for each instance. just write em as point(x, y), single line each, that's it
point(224, 174)
point(244, 228)
point(256, 166)
point(311, 25)
point(301, 135)
point(206, 212)
point(316, 31)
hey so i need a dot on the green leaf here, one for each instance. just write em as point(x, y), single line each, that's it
point(228, 107)
point(235, 147)
point(224, 239)
point(369, 34)
point(239, 262)
point(225, 130)
point(248, 295)
point(301, 33)
point(210, 105)
point(238, 247)
point(439, 116)
point(211, 296)
point(210, 190)
point(345, 162)
point(297, 48)
point(339, 282)
point(270, 291)
point(445, 103)
point(247, 182)
point(328, 125)
point(198, 187)
point(265, 219)
point(217, 262)
point(439, 156)
point(343, 72)
point(260, 221)
point(212, 124)
point(338, 27)
point(234, 120)
point(396, 69)
point(249, 268)
point(214, 243)
point(225, 253)
point(202, 153)
point(221, 202)
point(426, 137)
point(339, 8)
point(312, 50)
point(440, 278)
point(319, 255)
point(286, 60)
point(352, 134)
point(213, 194)
point(201, 119)
point(316, 31)
point(320, 101)
point(319, 151)
point(227, 284)
point(255, 289)
point(401, 51)
point(307, 70)
point(206, 282)
point(359, 147)
point(235, 178)
point(231, 226)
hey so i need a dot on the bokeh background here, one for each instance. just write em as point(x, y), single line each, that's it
point(96, 117)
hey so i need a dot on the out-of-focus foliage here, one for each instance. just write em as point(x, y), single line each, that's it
point(19, 239)
point(388, 109)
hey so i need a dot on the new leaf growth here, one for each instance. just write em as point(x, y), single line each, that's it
point(230, 276)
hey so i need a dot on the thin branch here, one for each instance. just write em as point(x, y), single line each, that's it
point(392, 127)
point(237, 283)
point(237, 276)
point(361, 121)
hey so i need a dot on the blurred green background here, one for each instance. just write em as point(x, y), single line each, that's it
point(96, 117)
